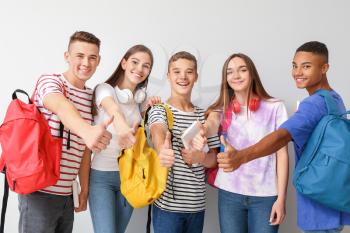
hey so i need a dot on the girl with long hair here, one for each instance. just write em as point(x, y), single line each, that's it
point(252, 198)
point(123, 96)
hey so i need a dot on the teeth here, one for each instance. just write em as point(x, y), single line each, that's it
point(138, 75)
point(300, 79)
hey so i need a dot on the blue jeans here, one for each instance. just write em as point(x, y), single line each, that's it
point(337, 230)
point(110, 212)
point(175, 222)
point(242, 214)
point(45, 213)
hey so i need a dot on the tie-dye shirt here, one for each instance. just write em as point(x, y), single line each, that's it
point(257, 177)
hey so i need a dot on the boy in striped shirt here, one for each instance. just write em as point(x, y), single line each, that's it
point(64, 98)
point(181, 207)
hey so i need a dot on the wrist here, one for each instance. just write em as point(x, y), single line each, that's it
point(84, 191)
point(202, 157)
point(84, 131)
point(281, 198)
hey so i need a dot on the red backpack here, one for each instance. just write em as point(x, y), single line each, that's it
point(30, 154)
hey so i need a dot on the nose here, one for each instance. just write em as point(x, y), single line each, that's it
point(183, 75)
point(85, 61)
point(236, 75)
point(297, 71)
point(139, 68)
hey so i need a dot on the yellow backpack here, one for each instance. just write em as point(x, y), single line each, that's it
point(142, 178)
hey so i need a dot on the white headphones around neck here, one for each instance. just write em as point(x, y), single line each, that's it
point(125, 96)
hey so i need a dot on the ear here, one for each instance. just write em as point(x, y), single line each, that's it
point(66, 56)
point(98, 59)
point(168, 76)
point(123, 63)
point(325, 68)
point(196, 78)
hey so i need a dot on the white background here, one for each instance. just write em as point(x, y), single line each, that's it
point(34, 35)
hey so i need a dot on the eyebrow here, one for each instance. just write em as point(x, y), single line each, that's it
point(239, 67)
point(303, 63)
point(134, 58)
point(93, 55)
point(188, 69)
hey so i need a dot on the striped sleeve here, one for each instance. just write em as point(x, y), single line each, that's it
point(214, 141)
point(48, 84)
point(157, 114)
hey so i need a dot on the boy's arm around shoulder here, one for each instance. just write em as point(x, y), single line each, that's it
point(231, 159)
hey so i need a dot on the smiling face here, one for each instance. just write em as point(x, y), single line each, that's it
point(182, 75)
point(238, 76)
point(136, 69)
point(83, 59)
point(309, 71)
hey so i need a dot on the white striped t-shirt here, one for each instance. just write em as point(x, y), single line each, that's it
point(185, 190)
point(81, 99)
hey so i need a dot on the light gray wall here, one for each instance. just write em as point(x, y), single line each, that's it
point(34, 35)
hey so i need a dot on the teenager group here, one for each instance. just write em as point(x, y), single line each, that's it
point(251, 153)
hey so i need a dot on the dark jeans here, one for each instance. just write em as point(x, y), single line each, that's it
point(45, 213)
point(174, 222)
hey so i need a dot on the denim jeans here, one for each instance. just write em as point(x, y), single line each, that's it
point(241, 214)
point(110, 212)
point(175, 222)
point(337, 230)
point(45, 213)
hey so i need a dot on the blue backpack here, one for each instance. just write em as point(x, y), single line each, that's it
point(323, 171)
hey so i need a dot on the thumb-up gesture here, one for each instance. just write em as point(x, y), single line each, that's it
point(227, 159)
point(98, 137)
point(200, 140)
point(166, 153)
point(125, 134)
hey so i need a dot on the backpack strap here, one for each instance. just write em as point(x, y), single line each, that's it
point(170, 120)
point(32, 101)
point(149, 218)
point(4, 203)
point(330, 102)
point(169, 116)
point(14, 95)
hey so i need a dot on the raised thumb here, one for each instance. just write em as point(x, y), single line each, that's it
point(167, 140)
point(135, 127)
point(202, 129)
point(224, 143)
point(106, 123)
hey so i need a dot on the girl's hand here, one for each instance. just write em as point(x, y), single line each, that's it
point(152, 100)
point(278, 212)
point(125, 135)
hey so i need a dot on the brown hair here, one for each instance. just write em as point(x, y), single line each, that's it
point(84, 37)
point(119, 72)
point(227, 93)
point(183, 55)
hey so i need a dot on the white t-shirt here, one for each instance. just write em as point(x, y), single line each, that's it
point(106, 160)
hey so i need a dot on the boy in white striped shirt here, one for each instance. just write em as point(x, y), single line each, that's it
point(181, 207)
point(64, 98)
